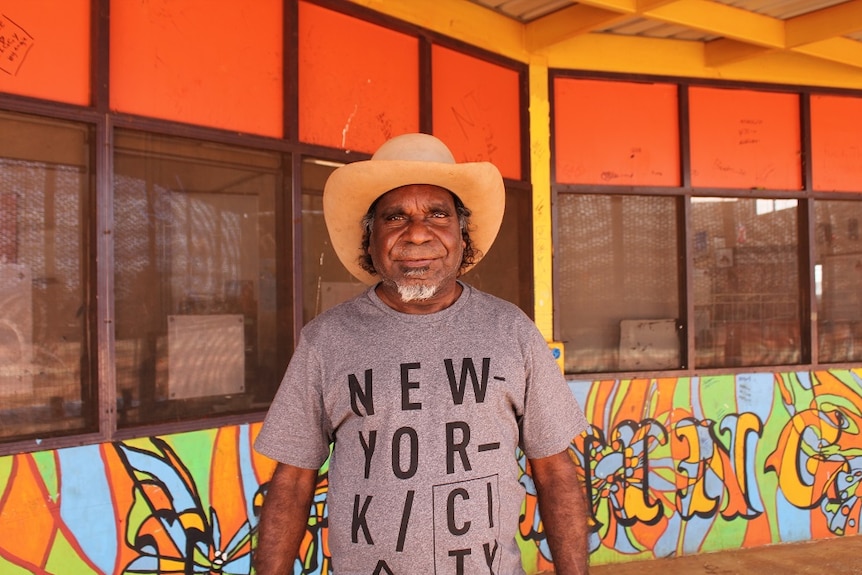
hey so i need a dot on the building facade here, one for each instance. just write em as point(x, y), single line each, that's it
point(682, 223)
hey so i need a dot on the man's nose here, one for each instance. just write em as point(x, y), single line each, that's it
point(418, 231)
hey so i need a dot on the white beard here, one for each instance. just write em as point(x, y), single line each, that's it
point(414, 292)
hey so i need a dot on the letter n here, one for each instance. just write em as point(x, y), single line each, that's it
point(361, 395)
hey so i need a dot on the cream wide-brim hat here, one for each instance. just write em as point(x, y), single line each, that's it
point(405, 160)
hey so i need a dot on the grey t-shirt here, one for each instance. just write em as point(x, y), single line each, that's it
point(424, 414)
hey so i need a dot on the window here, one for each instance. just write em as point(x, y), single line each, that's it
point(746, 282)
point(836, 142)
point(215, 64)
point(838, 277)
point(157, 253)
point(617, 260)
point(632, 127)
point(46, 386)
point(325, 282)
point(709, 272)
point(195, 290)
point(358, 81)
point(477, 109)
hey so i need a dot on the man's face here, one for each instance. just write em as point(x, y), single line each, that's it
point(415, 243)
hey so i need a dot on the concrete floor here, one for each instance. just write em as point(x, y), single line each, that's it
point(839, 556)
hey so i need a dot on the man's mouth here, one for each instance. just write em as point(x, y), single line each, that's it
point(416, 263)
point(412, 271)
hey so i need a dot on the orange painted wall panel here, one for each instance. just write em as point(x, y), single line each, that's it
point(476, 109)
point(45, 49)
point(745, 139)
point(836, 143)
point(216, 64)
point(358, 82)
point(615, 133)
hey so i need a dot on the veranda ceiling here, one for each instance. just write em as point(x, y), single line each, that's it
point(731, 30)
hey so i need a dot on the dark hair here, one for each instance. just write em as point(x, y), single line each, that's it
point(464, 213)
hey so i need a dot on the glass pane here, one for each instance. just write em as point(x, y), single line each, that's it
point(358, 82)
point(476, 109)
point(195, 249)
point(325, 282)
point(45, 50)
point(45, 173)
point(836, 141)
point(618, 282)
point(505, 272)
point(215, 64)
point(616, 133)
point(838, 280)
point(745, 139)
point(746, 282)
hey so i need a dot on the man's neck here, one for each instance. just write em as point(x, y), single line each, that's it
point(445, 297)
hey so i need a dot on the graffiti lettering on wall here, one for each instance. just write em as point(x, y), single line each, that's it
point(672, 466)
point(15, 42)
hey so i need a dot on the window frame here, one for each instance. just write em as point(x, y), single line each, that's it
point(806, 197)
point(103, 122)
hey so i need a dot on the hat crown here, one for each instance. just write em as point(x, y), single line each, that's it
point(415, 148)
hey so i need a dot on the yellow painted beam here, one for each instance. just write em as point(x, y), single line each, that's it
point(461, 19)
point(540, 173)
point(824, 24)
point(722, 20)
point(652, 56)
point(628, 54)
point(482, 27)
point(841, 50)
point(644, 5)
point(723, 51)
point(621, 6)
point(577, 19)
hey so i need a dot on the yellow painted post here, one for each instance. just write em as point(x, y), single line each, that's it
point(540, 169)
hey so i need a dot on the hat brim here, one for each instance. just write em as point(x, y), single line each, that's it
point(351, 189)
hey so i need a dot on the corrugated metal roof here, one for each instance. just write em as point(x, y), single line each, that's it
point(808, 24)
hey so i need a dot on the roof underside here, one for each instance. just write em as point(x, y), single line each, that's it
point(731, 30)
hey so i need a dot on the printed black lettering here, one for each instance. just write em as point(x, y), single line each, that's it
point(489, 446)
point(359, 520)
point(490, 505)
point(450, 512)
point(396, 452)
point(490, 555)
point(407, 385)
point(368, 448)
point(460, 447)
point(381, 568)
point(459, 555)
point(467, 370)
point(405, 521)
point(363, 396)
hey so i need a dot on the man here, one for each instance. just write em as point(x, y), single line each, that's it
point(423, 387)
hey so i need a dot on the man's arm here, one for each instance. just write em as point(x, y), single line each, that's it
point(564, 512)
point(283, 519)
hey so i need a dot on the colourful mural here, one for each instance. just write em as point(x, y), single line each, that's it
point(671, 466)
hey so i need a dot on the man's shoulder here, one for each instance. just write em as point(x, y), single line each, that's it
point(336, 316)
point(487, 300)
point(499, 311)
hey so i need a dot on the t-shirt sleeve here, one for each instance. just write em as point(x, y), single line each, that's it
point(552, 416)
point(295, 429)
